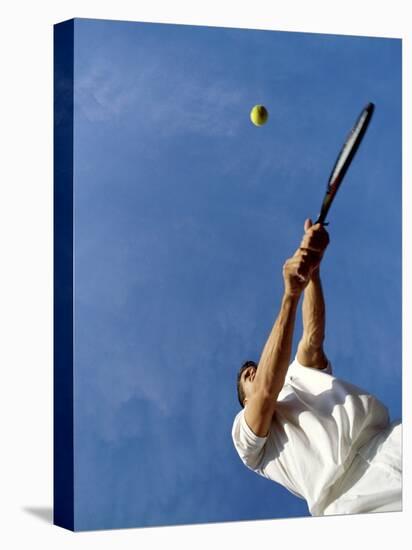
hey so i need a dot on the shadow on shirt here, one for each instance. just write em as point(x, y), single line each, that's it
point(360, 414)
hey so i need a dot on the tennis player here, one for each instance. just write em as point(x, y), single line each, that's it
point(324, 439)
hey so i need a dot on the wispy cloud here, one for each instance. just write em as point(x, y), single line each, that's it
point(169, 102)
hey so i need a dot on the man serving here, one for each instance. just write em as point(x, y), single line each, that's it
point(325, 440)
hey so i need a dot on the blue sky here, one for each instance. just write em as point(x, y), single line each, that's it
point(184, 215)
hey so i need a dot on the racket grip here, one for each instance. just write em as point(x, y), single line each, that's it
point(321, 219)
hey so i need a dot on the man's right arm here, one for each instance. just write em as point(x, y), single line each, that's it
point(274, 361)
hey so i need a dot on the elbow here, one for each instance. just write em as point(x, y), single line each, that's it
point(313, 343)
point(267, 398)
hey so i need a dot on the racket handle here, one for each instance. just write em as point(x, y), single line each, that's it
point(321, 219)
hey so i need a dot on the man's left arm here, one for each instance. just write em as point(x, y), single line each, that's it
point(310, 349)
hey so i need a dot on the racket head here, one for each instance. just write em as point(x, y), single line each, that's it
point(344, 159)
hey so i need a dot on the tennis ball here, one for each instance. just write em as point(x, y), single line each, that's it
point(259, 115)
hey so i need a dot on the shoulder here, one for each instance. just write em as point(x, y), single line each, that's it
point(249, 446)
point(296, 368)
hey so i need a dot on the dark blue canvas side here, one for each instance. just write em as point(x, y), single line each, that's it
point(63, 490)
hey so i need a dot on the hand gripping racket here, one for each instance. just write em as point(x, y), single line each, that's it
point(344, 159)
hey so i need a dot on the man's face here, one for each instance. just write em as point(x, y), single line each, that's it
point(247, 381)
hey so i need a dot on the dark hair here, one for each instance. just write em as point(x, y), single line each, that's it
point(240, 391)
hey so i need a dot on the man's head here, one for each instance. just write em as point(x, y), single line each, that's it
point(245, 377)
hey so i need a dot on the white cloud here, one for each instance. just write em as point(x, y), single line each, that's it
point(174, 101)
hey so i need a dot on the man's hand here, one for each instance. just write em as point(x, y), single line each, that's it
point(315, 242)
point(297, 271)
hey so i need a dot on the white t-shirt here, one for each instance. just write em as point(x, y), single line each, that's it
point(320, 423)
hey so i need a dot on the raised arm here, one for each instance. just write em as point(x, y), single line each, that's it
point(263, 385)
point(310, 348)
point(268, 379)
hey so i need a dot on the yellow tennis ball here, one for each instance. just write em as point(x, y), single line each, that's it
point(259, 115)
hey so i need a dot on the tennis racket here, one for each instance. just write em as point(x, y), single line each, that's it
point(344, 159)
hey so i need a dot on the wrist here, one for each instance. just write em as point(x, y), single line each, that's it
point(315, 274)
point(291, 296)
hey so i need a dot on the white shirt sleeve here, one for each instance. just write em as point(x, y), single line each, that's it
point(249, 446)
point(327, 369)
